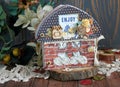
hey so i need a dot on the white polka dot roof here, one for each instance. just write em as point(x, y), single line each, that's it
point(52, 19)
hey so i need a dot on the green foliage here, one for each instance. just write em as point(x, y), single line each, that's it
point(42, 2)
point(4, 27)
point(51, 3)
point(0, 29)
point(2, 23)
point(13, 7)
point(99, 77)
point(7, 40)
point(13, 10)
point(2, 13)
point(6, 34)
point(2, 18)
point(5, 49)
point(11, 33)
point(14, 1)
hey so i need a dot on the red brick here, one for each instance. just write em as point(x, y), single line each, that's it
point(70, 54)
point(52, 52)
point(83, 46)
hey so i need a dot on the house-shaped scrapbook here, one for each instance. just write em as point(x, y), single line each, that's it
point(68, 38)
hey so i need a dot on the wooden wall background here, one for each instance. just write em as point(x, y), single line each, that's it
point(107, 14)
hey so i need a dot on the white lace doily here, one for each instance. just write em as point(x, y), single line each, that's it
point(20, 73)
point(107, 69)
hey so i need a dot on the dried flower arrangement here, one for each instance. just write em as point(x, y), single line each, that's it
point(19, 15)
point(83, 29)
point(25, 14)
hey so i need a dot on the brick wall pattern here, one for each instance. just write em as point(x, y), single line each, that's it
point(51, 50)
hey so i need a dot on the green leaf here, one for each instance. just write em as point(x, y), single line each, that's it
point(2, 16)
point(8, 34)
point(13, 10)
point(33, 8)
point(98, 77)
point(13, 13)
point(1, 38)
point(14, 1)
point(1, 56)
point(2, 13)
point(42, 2)
point(51, 3)
point(11, 33)
point(0, 29)
point(4, 49)
point(7, 44)
point(1, 9)
point(2, 23)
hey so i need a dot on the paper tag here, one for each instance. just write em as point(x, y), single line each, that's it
point(68, 21)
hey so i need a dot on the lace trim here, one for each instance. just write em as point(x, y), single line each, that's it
point(20, 73)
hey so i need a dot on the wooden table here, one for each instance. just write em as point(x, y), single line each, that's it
point(112, 81)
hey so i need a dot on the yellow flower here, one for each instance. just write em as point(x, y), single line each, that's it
point(71, 30)
point(16, 52)
point(91, 49)
point(64, 34)
point(86, 23)
point(6, 58)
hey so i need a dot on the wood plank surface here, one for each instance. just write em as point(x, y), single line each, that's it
point(2, 85)
point(70, 84)
point(111, 81)
point(40, 83)
point(54, 83)
point(10, 84)
point(31, 82)
point(102, 83)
